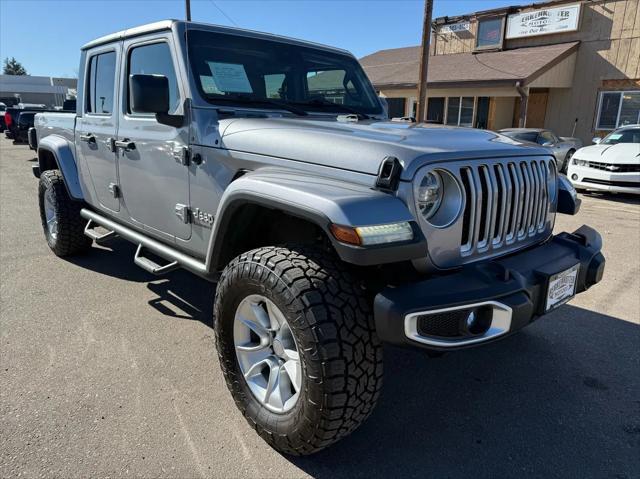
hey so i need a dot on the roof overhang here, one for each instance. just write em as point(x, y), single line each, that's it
point(549, 66)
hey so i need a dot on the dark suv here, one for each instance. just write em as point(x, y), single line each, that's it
point(22, 125)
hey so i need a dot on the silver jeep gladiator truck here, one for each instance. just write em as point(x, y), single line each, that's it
point(267, 165)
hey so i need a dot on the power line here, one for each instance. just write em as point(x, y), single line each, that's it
point(222, 11)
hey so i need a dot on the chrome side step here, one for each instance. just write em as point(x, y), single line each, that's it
point(151, 266)
point(176, 258)
point(97, 237)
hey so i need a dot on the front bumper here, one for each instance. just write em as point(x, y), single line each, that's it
point(599, 180)
point(512, 288)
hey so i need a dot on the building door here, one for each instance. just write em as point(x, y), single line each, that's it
point(482, 112)
point(536, 109)
point(154, 178)
point(435, 110)
point(396, 107)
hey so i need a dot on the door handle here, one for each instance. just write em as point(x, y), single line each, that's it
point(125, 144)
point(89, 138)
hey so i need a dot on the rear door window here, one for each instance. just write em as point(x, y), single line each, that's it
point(101, 80)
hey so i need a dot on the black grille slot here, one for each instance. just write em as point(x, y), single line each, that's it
point(514, 198)
point(484, 205)
point(468, 207)
point(500, 206)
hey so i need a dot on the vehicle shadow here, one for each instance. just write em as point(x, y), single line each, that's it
point(179, 294)
point(560, 399)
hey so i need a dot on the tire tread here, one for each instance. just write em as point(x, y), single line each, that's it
point(71, 239)
point(346, 348)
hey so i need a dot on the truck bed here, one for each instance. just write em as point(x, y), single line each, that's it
point(62, 124)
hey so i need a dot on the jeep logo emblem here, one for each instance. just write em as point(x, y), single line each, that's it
point(202, 218)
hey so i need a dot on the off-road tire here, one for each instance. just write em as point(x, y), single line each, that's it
point(70, 239)
point(331, 320)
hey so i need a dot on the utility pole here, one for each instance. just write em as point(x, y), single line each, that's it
point(187, 4)
point(421, 115)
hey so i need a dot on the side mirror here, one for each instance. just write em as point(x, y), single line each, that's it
point(150, 94)
point(568, 201)
point(596, 140)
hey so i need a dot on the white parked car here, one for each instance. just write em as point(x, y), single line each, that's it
point(611, 164)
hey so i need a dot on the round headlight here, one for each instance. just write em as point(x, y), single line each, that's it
point(429, 194)
point(438, 197)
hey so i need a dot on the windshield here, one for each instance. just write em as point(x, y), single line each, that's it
point(522, 136)
point(628, 135)
point(237, 70)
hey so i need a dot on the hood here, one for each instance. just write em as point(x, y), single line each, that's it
point(622, 153)
point(361, 146)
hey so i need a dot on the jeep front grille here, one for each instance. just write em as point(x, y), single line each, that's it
point(506, 202)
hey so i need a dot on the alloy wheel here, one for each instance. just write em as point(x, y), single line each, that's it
point(267, 353)
point(50, 213)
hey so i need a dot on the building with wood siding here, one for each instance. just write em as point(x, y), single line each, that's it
point(571, 66)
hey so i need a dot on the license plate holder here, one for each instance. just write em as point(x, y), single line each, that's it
point(561, 287)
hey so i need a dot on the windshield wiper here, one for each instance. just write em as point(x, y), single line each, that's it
point(248, 100)
point(343, 108)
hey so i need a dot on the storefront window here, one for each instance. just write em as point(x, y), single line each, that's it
point(490, 33)
point(453, 110)
point(466, 112)
point(618, 108)
point(460, 111)
point(435, 110)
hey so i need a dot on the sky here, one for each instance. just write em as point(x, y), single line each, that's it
point(46, 35)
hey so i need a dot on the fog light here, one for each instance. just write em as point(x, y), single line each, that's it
point(479, 320)
point(574, 177)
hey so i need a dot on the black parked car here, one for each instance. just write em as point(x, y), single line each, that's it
point(11, 118)
point(25, 121)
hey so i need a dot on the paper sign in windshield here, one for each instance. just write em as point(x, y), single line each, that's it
point(230, 77)
point(208, 84)
point(615, 136)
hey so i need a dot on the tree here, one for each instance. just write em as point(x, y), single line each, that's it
point(13, 67)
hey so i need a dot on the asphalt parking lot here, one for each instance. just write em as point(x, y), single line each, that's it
point(109, 371)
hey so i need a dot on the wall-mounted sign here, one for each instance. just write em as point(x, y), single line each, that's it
point(543, 22)
point(456, 27)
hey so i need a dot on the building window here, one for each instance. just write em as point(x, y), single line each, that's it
point(435, 110)
point(460, 110)
point(618, 108)
point(490, 33)
point(396, 107)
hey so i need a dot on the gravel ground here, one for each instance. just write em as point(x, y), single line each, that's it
point(109, 371)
